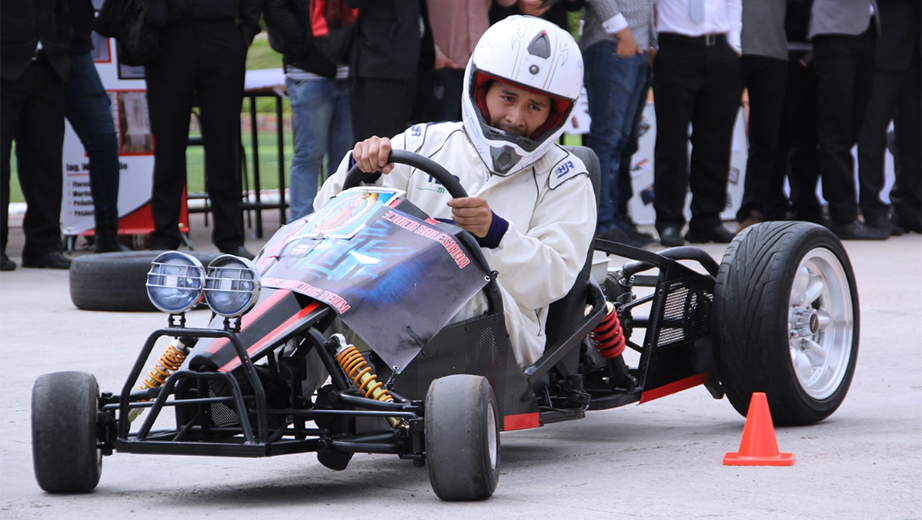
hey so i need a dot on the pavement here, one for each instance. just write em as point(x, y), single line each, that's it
point(659, 460)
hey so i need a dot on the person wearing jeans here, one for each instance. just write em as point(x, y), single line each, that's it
point(88, 110)
point(320, 115)
point(318, 90)
point(615, 44)
point(87, 107)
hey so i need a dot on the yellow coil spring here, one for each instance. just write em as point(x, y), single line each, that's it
point(357, 369)
point(169, 362)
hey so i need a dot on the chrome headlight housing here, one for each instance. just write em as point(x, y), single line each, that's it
point(231, 285)
point(175, 282)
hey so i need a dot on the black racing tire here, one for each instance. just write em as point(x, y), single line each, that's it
point(65, 451)
point(786, 321)
point(115, 281)
point(462, 438)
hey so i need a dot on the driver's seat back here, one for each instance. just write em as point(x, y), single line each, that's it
point(567, 311)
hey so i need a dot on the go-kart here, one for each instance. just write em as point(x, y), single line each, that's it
point(778, 315)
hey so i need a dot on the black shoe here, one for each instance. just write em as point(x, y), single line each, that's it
point(106, 240)
point(47, 260)
point(334, 459)
point(159, 244)
point(630, 229)
point(911, 223)
point(6, 264)
point(671, 236)
point(884, 223)
point(615, 234)
point(857, 230)
point(718, 234)
point(238, 251)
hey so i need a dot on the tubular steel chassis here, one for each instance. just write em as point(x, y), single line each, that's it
point(566, 381)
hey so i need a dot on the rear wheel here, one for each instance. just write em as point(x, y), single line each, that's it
point(65, 451)
point(787, 320)
point(462, 438)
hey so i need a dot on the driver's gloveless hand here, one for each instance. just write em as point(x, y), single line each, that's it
point(371, 155)
point(472, 214)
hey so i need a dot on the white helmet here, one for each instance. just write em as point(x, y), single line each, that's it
point(532, 54)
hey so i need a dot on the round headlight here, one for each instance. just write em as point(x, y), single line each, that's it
point(175, 282)
point(231, 285)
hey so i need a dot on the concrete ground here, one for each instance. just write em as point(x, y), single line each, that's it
point(659, 460)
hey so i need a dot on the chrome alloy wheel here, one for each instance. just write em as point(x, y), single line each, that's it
point(820, 323)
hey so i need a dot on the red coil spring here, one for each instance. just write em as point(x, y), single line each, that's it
point(609, 336)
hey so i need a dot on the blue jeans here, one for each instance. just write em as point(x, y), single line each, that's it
point(614, 85)
point(87, 107)
point(322, 124)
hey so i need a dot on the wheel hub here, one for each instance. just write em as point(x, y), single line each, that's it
point(820, 323)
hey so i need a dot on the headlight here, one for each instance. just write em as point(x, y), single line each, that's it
point(231, 285)
point(175, 282)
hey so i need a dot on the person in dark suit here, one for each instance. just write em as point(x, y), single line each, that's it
point(203, 49)
point(34, 39)
point(895, 93)
point(844, 34)
point(697, 80)
point(391, 42)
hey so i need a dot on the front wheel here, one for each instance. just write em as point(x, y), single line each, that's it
point(65, 451)
point(462, 438)
point(786, 321)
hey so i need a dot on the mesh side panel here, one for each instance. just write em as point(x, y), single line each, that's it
point(686, 312)
point(221, 414)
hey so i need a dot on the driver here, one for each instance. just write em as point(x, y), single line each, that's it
point(531, 204)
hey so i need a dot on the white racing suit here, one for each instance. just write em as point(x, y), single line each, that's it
point(549, 206)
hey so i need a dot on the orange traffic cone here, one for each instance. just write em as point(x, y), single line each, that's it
point(758, 447)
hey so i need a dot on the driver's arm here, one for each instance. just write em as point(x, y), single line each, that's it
point(367, 155)
point(538, 265)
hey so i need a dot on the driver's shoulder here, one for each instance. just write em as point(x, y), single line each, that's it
point(428, 138)
point(561, 165)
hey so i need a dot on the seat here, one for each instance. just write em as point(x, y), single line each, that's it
point(564, 313)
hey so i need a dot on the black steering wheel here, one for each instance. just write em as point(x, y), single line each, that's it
point(355, 175)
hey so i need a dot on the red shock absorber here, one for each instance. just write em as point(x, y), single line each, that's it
point(609, 336)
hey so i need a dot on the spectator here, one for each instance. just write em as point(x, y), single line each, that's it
point(319, 94)
point(391, 42)
point(896, 91)
point(87, 107)
point(844, 34)
point(203, 56)
point(764, 69)
point(616, 42)
point(34, 44)
point(554, 11)
point(796, 156)
point(696, 79)
point(456, 27)
point(625, 183)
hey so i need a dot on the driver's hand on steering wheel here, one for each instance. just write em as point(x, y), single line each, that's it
point(371, 155)
point(472, 214)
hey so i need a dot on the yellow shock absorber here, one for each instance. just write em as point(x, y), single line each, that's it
point(357, 370)
point(169, 362)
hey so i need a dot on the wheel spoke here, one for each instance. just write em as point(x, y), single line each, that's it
point(814, 353)
point(802, 364)
point(813, 290)
point(823, 319)
point(801, 280)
